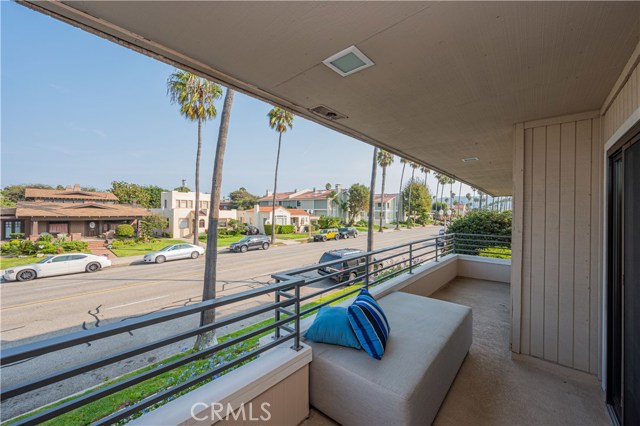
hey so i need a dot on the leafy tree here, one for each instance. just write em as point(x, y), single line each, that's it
point(385, 159)
point(327, 186)
point(155, 194)
point(439, 205)
point(182, 189)
point(413, 166)
point(242, 199)
point(357, 202)
point(196, 98)
point(15, 193)
point(128, 192)
point(404, 164)
point(5, 201)
point(211, 252)
point(416, 195)
point(151, 223)
point(279, 120)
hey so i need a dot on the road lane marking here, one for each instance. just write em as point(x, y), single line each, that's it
point(134, 303)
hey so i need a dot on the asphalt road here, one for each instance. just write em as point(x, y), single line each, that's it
point(54, 306)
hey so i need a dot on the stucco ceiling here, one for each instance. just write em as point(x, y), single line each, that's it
point(449, 80)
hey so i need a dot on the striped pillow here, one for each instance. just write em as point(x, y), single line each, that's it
point(369, 323)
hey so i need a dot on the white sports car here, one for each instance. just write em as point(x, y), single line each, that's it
point(173, 252)
point(61, 264)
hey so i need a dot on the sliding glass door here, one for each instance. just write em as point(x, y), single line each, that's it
point(623, 284)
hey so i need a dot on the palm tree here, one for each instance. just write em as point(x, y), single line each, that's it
point(279, 120)
point(451, 182)
point(384, 159)
point(372, 190)
point(438, 176)
point(468, 197)
point(474, 197)
point(196, 97)
point(211, 253)
point(404, 164)
point(413, 166)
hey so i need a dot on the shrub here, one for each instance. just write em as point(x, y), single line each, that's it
point(329, 222)
point(74, 245)
point(286, 229)
point(124, 231)
point(483, 222)
point(45, 237)
point(240, 228)
point(17, 235)
point(267, 229)
point(45, 247)
point(203, 237)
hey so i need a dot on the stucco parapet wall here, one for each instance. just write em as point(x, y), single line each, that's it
point(237, 388)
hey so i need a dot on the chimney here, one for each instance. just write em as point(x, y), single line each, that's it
point(338, 187)
point(68, 188)
point(76, 187)
point(314, 189)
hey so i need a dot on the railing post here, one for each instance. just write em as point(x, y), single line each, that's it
point(411, 258)
point(366, 275)
point(437, 242)
point(296, 339)
point(277, 313)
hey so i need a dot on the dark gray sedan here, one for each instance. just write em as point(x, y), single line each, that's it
point(251, 242)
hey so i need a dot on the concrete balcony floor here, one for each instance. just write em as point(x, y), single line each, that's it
point(495, 388)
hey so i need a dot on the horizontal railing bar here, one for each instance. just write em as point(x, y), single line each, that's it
point(472, 243)
point(287, 329)
point(285, 294)
point(90, 366)
point(115, 387)
point(480, 235)
point(328, 302)
point(123, 414)
point(11, 355)
point(286, 312)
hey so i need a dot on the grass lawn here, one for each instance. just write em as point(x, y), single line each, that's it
point(143, 248)
point(8, 262)
point(365, 229)
point(110, 404)
point(292, 236)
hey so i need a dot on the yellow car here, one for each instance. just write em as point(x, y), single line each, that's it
point(327, 234)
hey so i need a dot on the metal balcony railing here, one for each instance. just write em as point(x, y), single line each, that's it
point(346, 276)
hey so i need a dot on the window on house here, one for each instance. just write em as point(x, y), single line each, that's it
point(190, 204)
point(201, 223)
point(204, 204)
point(165, 204)
point(298, 203)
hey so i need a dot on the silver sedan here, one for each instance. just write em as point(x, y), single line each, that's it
point(174, 252)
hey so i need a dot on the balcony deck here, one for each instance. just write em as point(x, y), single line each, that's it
point(494, 388)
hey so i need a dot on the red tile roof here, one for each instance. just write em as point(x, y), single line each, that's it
point(279, 196)
point(311, 195)
point(387, 197)
point(298, 212)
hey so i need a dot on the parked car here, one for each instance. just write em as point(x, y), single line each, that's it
point(251, 242)
point(61, 264)
point(174, 252)
point(251, 230)
point(327, 234)
point(352, 258)
point(348, 232)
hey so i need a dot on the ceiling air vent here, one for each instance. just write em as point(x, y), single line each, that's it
point(327, 112)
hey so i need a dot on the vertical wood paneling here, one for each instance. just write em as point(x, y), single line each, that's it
point(625, 103)
point(526, 245)
point(566, 244)
point(516, 238)
point(551, 249)
point(597, 156)
point(537, 240)
point(582, 256)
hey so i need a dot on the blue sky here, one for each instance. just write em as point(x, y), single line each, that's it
point(79, 109)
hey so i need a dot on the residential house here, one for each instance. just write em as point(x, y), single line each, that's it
point(70, 212)
point(178, 208)
point(324, 202)
point(260, 216)
point(388, 208)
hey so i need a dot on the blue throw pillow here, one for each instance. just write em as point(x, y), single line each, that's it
point(332, 326)
point(369, 323)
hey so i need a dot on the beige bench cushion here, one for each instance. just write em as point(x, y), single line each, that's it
point(429, 339)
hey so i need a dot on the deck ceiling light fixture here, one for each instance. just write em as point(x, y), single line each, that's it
point(468, 159)
point(348, 61)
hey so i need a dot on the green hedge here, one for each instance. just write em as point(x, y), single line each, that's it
point(280, 229)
